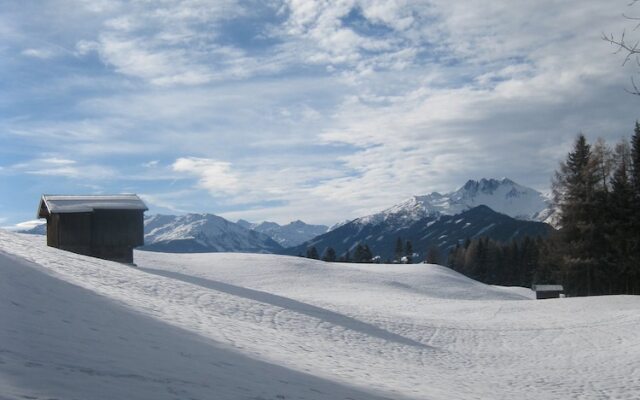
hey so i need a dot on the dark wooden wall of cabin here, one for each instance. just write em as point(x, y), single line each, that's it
point(114, 234)
point(72, 232)
point(117, 228)
point(108, 234)
point(52, 231)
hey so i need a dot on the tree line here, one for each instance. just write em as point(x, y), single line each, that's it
point(596, 251)
point(363, 254)
point(516, 263)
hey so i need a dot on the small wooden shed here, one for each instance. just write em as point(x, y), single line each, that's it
point(548, 291)
point(105, 226)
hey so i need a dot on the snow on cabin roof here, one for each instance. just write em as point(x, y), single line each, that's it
point(72, 204)
point(548, 288)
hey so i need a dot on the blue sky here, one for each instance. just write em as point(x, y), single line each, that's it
point(279, 110)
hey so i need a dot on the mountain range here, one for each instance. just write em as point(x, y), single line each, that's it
point(434, 230)
point(291, 234)
point(203, 233)
point(497, 208)
point(501, 195)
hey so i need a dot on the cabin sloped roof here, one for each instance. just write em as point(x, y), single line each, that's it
point(73, 204)
point(548, 288)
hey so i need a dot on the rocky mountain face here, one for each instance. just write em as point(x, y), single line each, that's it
point(441, 231)
point(200, 233)
point(501, 195)
point(498, 208)
point(291, 234)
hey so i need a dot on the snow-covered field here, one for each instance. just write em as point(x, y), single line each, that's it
point(242, 326)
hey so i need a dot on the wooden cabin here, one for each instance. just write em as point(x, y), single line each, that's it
point(107, 227)
point(548, 291)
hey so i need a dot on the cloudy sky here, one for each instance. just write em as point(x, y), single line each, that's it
point(318, 110)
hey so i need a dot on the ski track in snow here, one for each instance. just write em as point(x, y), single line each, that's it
point(230, 326)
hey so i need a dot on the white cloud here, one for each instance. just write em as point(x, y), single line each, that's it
point(56, 161)
point(342, 108)
point(151, 164)
point(42, 53)
point(54, 166)
point(167, 201)
point(214, 176)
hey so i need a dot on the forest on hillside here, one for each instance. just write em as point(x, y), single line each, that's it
point(596, 251)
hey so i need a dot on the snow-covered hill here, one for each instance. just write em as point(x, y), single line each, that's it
point(291, 234)
point(251, 326)
point(501, 195)
point(203, 233)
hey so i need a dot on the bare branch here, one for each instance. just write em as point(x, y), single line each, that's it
point(631, 49)
point(634, 85)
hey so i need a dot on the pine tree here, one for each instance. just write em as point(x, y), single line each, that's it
point(604, 164)
point(574, 189)
point(409, 252)
point(602, 246)
point(359, 254)
point(367, 254)
point(456, 258)
point(329, 255)
point(433, 254)
point(620, 228)
point(399, 252)
point(312, 252)
point(635, 214)
point(635, 161)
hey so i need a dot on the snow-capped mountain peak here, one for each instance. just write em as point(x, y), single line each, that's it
point(502, 195)
point(291, 234)
point(203, 233)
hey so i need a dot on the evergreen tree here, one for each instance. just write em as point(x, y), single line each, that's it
point(367, 254)
point(433, 254)
point(409, 252)
point(635, 161)
point(603, 164)
point(329, 255)
point(456, 258)
point(399, 251)
point(574, 193)
point(362, 254)
point(621, 227)
point(635, 214)
point(312, 252)
point(529, 262)
point(492, 262)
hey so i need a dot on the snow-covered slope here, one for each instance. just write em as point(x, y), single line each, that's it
point(250, 326)
point(501, 195)
point(203, 233)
